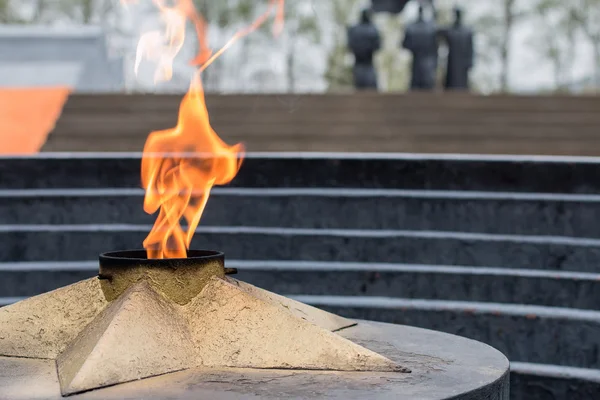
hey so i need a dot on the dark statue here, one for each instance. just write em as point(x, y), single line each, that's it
point(395, 6)
point(364, 41)
point(421, 38)
point(391, 6)
point(460, 53)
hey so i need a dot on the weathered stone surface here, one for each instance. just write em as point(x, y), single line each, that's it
point(180, 283)
point(42, 326)
point(28, 379)
point(313, 315)
point(140, 334)
point(144, 333)
point(443, 367)
point(233, 328)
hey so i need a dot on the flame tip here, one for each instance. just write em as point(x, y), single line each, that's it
point(181, 165)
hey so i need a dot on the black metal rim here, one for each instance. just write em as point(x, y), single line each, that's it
point(138, 257)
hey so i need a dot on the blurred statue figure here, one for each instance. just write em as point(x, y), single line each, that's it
point(364, 41)
point(390, 6)
point(421, 39)
point(460, 53)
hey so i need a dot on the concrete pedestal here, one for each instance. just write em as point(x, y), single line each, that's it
point(443, 367)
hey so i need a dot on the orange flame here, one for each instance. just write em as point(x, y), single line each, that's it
point(182, 164)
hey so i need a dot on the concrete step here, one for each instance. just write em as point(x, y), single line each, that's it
point(7, 301)
point(486, 212)
point(436, 282)
point(326, 170)
point(530, 381)
point(85, 242)
point(533, 334)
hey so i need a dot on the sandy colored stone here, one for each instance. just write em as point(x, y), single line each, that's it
point(313, 315)
point(139, 335)
point(178, 282)
point(14, 384)
point(233, 328)
point(144, 333)
point(42, 326)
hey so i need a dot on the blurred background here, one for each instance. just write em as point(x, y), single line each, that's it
point(523, 46)
point(535, 75)
point(461, 230)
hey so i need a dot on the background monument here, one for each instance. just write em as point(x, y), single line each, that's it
point(364, 41)
point(459, 39)
point(422, 41)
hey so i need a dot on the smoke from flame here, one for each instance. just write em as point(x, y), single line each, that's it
point(182, 164)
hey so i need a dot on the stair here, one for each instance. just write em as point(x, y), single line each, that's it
point(356, 122)
point(505, 250)
point(333, 208)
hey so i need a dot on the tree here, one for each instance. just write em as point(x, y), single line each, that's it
point(444, 16)
point(8, 14)
point(301, 23)
point(302, 27)
point(85, 12)
point(391, 62)
point(555, 38)
point(509, 18)
point(226, 16)
point(586, 15)
point(11, 11)
point(495, 28)
point(338, 73)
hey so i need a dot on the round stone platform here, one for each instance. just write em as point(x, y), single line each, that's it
point(443, 367)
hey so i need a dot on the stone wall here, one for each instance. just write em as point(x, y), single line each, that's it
point(35, 56)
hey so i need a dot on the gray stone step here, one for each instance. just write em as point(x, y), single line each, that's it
point(487, 212)
point(406, 171)
point(542, 382)
point(85, 242)
point(457, 283)
point(6, 301)
point(533, 334)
